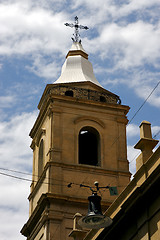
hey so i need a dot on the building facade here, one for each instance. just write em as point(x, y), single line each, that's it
point(136, 211)
point(79, 137)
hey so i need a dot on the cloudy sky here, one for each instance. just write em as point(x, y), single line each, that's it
point(123, 43)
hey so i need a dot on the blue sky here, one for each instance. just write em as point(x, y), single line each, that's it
point(124, 48)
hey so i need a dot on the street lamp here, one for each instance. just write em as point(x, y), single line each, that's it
point(94, 219)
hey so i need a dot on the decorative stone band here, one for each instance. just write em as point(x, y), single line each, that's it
point(77, 52)
point(86, 94)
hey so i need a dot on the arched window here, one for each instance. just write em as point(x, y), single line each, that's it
point(69, 93)
point(102, 99)
point(41, 158)
point(89, 146)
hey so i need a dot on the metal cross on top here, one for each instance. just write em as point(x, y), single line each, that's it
point(76, 31)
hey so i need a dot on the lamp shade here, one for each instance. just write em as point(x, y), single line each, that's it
point(95, 219)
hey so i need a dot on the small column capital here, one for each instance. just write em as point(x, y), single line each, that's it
point(146, 143)
point(145, 129)
point(77, 233)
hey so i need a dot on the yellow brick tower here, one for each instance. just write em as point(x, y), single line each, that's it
point(79, 137)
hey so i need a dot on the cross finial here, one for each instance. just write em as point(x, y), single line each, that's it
point(76, 30)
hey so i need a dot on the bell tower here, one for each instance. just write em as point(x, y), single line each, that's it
point(79, 137)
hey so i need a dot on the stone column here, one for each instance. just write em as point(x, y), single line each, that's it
point(145, 144)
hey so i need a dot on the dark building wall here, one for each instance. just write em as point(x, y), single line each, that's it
point(139, 217)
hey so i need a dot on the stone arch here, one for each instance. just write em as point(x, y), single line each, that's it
point(90, 119)
point(69, 93)
point(102, 99)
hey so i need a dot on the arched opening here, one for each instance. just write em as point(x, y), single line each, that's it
point(41, 158)
point(89, 146)
point(69, 93)
point(102, 99)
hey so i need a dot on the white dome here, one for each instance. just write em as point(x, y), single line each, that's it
point(77, 68)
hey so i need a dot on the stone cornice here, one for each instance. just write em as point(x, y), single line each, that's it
point(77, 52)
point(50, 106)
point(83, 85)
point(39, 214)
point(77, 168)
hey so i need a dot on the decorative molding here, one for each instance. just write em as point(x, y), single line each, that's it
point(33, 144)
point(55, 109)
point(39, 135)
point(122, 120)
point(77, 52)
point(88, 118)
point(53, 150)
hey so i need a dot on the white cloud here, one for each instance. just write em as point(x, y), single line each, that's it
point(14, 141)
point(13, 207)
point(6, 101)
point(43, 68)
point(139, 39)
point(147, 86)
point(135, 5)
point(8, 186)
point(25, 29)
point(131, 45)
point(35, 30)
point(11, 223)
point(132, 130)
point(132, 155)
point(115, 10)
point(156, 132)
point(15, 154)
point(30, 28)
point(132, 53)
